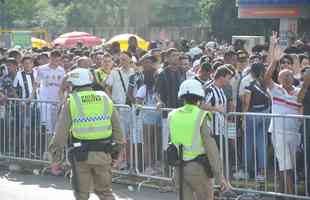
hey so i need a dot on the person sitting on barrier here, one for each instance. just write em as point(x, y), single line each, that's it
point(90, 125)
point(256, 100)
point(189, 126)
point(285, 130)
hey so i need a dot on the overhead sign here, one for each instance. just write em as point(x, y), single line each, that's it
point(268, 12)
point(272, 2)
point(22, 39)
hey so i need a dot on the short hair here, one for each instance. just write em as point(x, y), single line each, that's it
point(26, 58)
point(55, 53)
point(127, 53)
point(229, 54)
point(183, 57)
point(216, 65)
point(222, 71)
point(287, 57)
point(14, 53)
point(231, 68)
point(204, 59)
point(170, 51)
point(107, 55)
point(11, 60)
point(67, 56)
point(132, 38)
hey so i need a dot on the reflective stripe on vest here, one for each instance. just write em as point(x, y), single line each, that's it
point(193, 145)
point(91, 120)
point(85, 130)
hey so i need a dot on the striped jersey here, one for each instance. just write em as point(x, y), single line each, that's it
point(285, 103)
point(215, 96)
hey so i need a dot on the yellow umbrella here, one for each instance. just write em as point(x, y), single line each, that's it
point(38, 43)
point(123, 40)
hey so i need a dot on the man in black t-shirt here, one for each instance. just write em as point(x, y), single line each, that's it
point(168, 82)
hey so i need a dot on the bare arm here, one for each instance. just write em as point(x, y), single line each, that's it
point(301, 94)
point(305, 86)
point(246, 99)
point(208, 107)
point(268, 75)
point(130, 94)
point(275, 56)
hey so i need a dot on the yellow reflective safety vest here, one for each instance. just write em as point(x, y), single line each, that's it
point(184, 125)
point(91, 113)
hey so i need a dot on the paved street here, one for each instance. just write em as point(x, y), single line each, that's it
point(24, 187)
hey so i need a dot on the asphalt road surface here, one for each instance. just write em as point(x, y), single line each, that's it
point(14, 186)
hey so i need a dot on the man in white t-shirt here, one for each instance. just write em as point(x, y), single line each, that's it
point(285, 131)
point(49, 79)
point(117, 85)
point(118, 80)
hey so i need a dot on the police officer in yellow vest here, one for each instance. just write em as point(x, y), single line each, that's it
point(90, 126)
point(189, 126)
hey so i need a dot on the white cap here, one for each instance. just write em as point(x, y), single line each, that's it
point(193, 87)
point(80, 77)
point(194, 51)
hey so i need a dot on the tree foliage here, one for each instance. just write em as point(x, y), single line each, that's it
point(175, 12)
point(220, 16)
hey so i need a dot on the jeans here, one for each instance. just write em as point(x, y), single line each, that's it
point(256, 131)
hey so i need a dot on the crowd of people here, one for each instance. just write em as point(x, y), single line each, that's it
point(267, 79)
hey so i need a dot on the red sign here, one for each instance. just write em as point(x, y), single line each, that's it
point(269, 12)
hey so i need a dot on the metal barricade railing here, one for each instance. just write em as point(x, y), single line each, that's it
point(26, 128)
point(267, 153)
point(252, 161)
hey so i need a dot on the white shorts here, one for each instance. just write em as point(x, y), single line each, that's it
point(49, 116)
point(285, 149)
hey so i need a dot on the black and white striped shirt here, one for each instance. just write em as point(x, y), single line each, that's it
point(215, 96)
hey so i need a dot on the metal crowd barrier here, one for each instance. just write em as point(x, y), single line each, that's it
point(254, 153)
point(26, 128)
point(267, 154)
